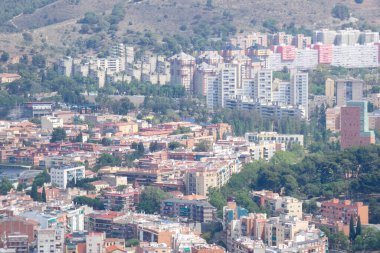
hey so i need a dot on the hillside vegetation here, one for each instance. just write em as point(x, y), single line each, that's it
point(12, 8)
point(348, 174)
point(55, 27)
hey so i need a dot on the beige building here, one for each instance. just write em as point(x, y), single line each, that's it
point(347, 90)
point(333, 119)
point(277, 204)
point(212, 175)
point(8, 78)
point(330, 88)
point(51, 122)
point(374, 120)
point(278, 230)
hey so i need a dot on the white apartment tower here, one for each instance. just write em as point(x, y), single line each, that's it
point(299, 91)
point(263, 86)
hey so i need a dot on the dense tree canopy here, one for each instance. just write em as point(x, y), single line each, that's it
point(150, 200)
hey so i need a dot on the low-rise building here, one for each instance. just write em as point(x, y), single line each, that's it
point(61, 176)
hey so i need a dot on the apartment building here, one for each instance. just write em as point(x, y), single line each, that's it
point(277, 204)
point(263, 86)
point(188, 210)
point(299, 91)
point(333, 119)
point(50, 240)
point(182, 69)
point(95, 242)
point(356, 56)
point(61, 176)
point(336, 210)
point(280, 229)
point(212, 175)
point(276, 137)
point(348, 89)
point(354, 127)
point(330, 88)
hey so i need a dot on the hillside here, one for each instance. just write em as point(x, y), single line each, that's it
point(54, 26)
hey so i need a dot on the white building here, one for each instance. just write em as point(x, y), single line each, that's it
point(60, 176)
point(51, 122)
point(274, 136)
point(95, 242)
point(356, 56)
point(263, 86)
point(299, 91)
point(50, 240)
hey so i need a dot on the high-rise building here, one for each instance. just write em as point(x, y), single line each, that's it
point(355, 56)
point(354, 125)
point(263, 86)
point(203, 71)
point(299, 91)
point(50, 240)
point(65, 66)
point(330, 88)
point(324, 36)
point(333, 119)
point(349, 37)
point(325, 53)
point(347, 90)
point(182, 70)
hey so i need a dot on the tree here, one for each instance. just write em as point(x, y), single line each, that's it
point(358, 227)
point(150, 200)
point(340, 11)
point(79, 138)
point(123, 107)
point(153, 146)
point(95, 203)
point(107, 159)
point(39, 61)
point(33, 192)
point(203, 146)
point(174, 145)
point(5, 186)
point(4, 57)
point(352, 233)
point(106, 142)
point(59, 134)
point(43, 195)
point(140, 148)
point(132, 242)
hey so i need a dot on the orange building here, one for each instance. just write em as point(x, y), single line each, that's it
point(335, 210)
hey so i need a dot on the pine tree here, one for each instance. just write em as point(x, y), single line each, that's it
point(34, 193)
point(352, 230)
point(358, 227)
point(43, 195)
